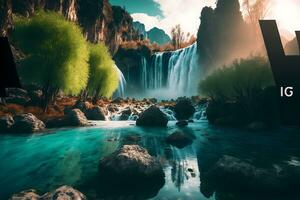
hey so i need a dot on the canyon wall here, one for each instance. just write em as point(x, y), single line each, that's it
point(100, 21)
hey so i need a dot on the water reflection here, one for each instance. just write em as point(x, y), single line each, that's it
point(263, 166)
point(258, 166)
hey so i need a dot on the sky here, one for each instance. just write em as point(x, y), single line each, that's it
point(165, 14)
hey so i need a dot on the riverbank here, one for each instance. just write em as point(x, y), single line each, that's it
point(22, 113)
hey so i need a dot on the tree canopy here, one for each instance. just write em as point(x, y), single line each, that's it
point(104, 78)
point(56, 52)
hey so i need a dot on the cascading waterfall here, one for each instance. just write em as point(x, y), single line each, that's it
point(122, 83)
point(158, 71)
point(171, 74)
point(183, 71)
point(144, 79)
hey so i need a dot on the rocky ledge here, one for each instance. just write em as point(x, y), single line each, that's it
point(24, 123)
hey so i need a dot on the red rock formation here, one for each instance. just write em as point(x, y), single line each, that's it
point(100, 21)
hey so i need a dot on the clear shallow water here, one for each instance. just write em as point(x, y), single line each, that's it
point(71, 156)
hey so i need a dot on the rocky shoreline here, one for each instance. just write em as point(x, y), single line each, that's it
point(21, 112)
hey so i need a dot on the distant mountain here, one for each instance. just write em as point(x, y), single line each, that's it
point(158, 36)
point(140, 27)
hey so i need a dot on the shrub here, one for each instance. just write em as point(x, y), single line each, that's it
point(56, 53)
point(242, 93)
point(240, 80)
point(104, 78)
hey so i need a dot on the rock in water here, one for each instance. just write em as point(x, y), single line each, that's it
point(95, 113)
point(180, 139)
point(153, 116)
point(77, 118)
point(184, 109)
point(182, 123)
point(131, 165)
point(26, 195)
point(62, 193)
point(27, 123)
point(6, 123)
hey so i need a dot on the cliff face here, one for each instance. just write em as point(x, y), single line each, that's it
point(223, 35)
point(100, 21)
point(5, 17)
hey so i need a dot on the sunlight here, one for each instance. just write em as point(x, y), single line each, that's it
point(287, 13)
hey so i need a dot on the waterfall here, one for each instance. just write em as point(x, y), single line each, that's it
point(144, 79)
point(171, 74)
point(158, 73)
point(122, 83)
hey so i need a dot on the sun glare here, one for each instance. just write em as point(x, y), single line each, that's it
point(287, 14)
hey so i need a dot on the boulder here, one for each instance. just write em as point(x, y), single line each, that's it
point(6, 122)
point(131, 165)
point(35, 97)
point(184, 109)
point(26, 195)
point(118, 100)
point(95, 113)
point(112, 108)
point(82, 105)
point(180, 139)
point(62, 193)
point(182, 123)
point(27, 123)
point(77, 118)
point(153, 116)
point(125, 114)
point(124, 117)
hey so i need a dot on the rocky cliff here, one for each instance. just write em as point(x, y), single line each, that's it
point(100, 21)
point(223, 35)
point(5, 17)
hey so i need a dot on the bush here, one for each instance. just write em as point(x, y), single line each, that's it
point(242, 93)
point(240, 80)
point(56, 53)
point(104, 77)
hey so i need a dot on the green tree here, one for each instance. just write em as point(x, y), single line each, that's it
point(56, 54)
point(103, 79)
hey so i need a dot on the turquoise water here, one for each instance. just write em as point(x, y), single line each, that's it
point(71, 156)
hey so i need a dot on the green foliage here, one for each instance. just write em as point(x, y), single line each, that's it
point(56, 52)
point(241, 80)
point(104, 77)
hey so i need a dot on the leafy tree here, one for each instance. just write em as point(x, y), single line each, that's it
point(104, 79)
point(56, 54)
